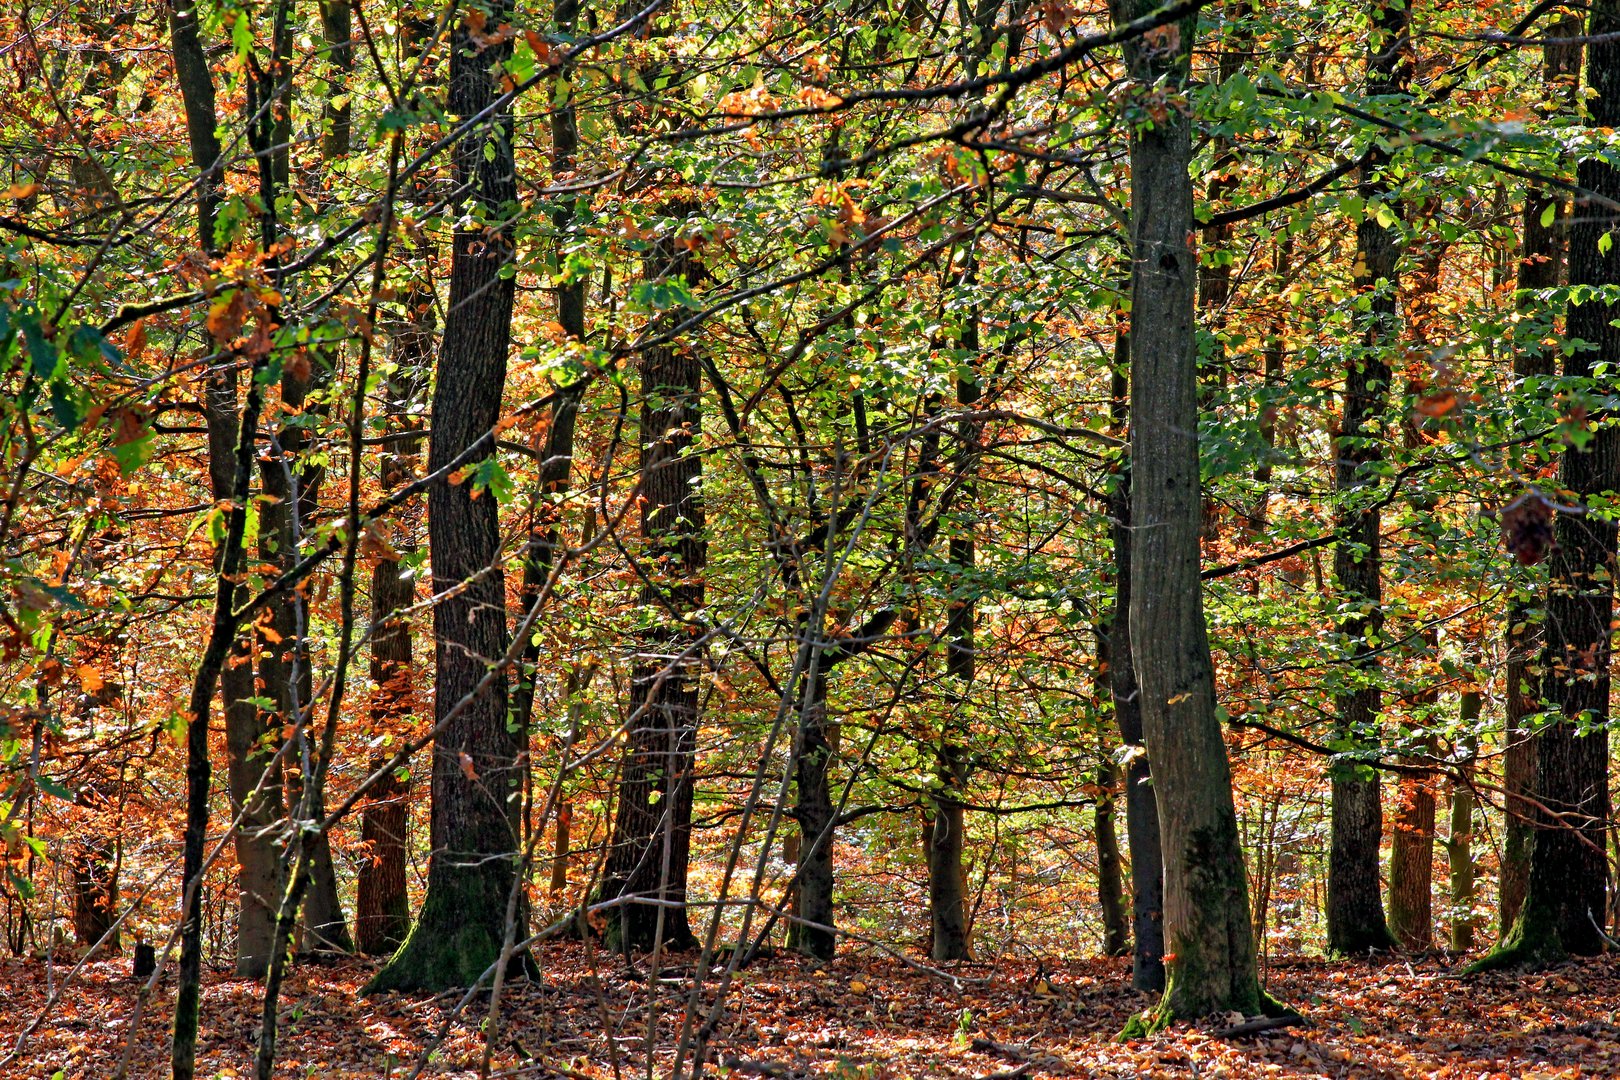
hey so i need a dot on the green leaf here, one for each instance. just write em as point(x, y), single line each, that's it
point(1605, 243)
point(66, 404)
point(1548, 214)
point(491, 476)
point(54, 789)
point(42, 352)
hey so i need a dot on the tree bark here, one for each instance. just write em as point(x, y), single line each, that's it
point(652, 824)
point(1460, 844)
point(1355, 910)
point(1207, 918)
point(1566, 890)
point(1110, 880)
point(1141, 805)
point(1540, 266)
point(1411, 865)
point(478, 756)
point(259, 878)
point(382, 908)
point(813, 752)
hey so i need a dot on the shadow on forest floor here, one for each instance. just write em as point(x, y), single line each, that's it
point(864, 1017)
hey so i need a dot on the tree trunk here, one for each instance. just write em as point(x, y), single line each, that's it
point(1207, 918)
point(1411, 865)
point(259, 865)
point(813, 751)
point(478, 757)
point(1540, 266)
point(1459, 845)
point(814, 813)
point(1565, 895)
point(1110, 881)
point(947, 900)
point(652, 824)
point(1355, 911)
point(382, 908)
point(1141, 804)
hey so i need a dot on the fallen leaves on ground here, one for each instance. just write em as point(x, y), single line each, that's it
point(863, 1017)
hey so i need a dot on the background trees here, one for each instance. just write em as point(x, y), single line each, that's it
point(897, 285)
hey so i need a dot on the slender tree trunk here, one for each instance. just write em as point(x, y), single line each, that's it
point(1540, 266)
point(1141, 804)
point(382, 907)
point(1207, 917)
point(813, 753)
point(814, 813)
point(478, 757)
point(1355, 910)
point(947, 900)
point(1110, 880)
point(259, 865)
point(1460, 844)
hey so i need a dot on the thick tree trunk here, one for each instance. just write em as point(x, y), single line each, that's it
point(652, 824)
point(1355, 910)
point(478, 757)
point(1141, 805)
point(1566, 891)
point(1411, 865)
point(1207, 918)
point(1540, 266)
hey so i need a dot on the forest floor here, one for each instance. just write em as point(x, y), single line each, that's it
point(861, 1018)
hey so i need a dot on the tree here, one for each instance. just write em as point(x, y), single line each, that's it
point(1566, 889)
point(652, 823)
point(1141, 802)
point(1206, 897)
point(1540, 266)
point(478, 754)
point(1355, 909)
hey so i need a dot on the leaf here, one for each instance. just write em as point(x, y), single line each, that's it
point(1548, 214)
point(467, 768)
point(1605, 243)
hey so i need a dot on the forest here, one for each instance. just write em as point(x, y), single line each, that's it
point(871, 539)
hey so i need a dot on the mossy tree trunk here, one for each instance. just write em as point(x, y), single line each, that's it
point(1566, 890)
point(1206, 909)
point(478, 756)
point(1355, 909)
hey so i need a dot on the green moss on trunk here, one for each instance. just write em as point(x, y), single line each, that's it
point(454, 942)
point(1531, 943)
